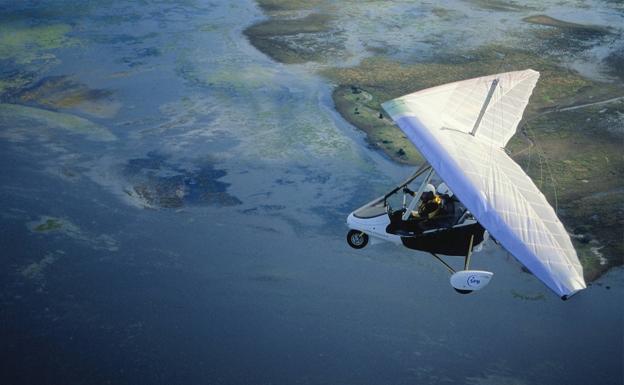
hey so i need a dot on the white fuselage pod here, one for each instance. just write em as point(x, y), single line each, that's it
point(374, 227)
point(471, 280)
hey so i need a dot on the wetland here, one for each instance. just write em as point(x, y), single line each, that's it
point(176, 176)
point(564, 139)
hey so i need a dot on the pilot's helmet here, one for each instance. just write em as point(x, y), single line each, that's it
point(428, 191)
point(443, 189)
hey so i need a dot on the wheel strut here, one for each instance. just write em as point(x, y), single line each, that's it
point(467, 260)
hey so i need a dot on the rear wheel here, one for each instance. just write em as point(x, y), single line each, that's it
point(357, 239)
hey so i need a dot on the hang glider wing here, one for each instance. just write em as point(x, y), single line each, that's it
point(461, 129)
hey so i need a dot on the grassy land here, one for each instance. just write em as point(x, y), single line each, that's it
point(362, 110)
point(574, 157)
point(578, 164)
point(381, 80)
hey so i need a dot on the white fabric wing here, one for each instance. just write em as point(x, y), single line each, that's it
point(476, 168)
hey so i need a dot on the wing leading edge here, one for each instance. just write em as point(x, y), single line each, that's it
point(489, 183)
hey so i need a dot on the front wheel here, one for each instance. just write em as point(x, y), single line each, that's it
point(357, 239)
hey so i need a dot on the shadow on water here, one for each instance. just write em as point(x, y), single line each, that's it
point(159, 183)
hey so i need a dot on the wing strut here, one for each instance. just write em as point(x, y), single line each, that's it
point(466, 258)
point(417, 195)
point(484, 107)
point(466, 281)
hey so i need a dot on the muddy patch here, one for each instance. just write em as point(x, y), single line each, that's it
point(158, 183)
point(287, 5)
point(615, 63)
point(300, 40)
point(65, 93)
point(591, 30)
point(559, 37)
point(500, 5)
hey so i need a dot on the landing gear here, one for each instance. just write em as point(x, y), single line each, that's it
point(466, 281)
point(357, 239)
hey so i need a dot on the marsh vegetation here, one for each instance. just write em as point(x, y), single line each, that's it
point(573, 155)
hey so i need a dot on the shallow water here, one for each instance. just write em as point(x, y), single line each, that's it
point(261, 288)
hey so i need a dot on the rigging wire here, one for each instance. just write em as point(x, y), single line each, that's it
point(530, 156)
point(543, 160)
point(541, 155)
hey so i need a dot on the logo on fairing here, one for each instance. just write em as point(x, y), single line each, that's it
point(473, 281)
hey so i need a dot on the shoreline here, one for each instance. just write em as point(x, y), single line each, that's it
point(548, 130)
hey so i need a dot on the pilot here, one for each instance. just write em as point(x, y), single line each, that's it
point(430, 203)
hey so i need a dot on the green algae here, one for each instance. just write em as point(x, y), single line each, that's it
point(31, 49)
point(24, 44)
point(254, 113)
point(50, 224)
point(47, 225)
point(14, 81)
point(528, 297)
point(23, 121)
point(254, 76)
point(35, 271)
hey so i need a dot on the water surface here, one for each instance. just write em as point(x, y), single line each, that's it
point(201, 237)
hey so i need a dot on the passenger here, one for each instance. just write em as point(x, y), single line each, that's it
point(444, 191)
point(446, 216)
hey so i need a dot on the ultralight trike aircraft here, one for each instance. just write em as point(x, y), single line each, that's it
point(461, 130)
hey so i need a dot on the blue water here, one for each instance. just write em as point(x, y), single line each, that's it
point(264, 289)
